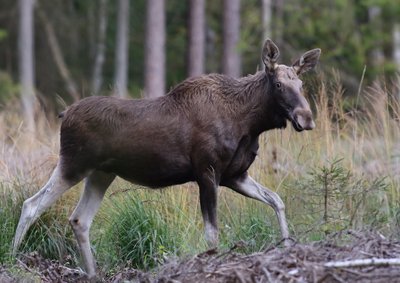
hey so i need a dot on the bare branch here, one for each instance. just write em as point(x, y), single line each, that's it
point(363, 262)
point(57, 54)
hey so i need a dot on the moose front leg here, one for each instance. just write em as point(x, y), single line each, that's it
point(248, 187)
point(208, 203)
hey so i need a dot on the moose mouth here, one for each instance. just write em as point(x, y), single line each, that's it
point(296, 125)
point(301, 120)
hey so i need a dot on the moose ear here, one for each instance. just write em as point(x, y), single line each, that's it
point(307, 61)
point(270, 55)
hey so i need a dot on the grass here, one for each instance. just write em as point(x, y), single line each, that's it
point(8, 224)
point(343, 174)
point(140, 233)
point(50, 235)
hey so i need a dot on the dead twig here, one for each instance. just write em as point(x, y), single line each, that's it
point(267, 274)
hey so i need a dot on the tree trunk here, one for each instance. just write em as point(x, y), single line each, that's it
point(396, 54)
point(196, 48)
point(121, 62)
point(154, 85)
point(396, 46)
point(26, 61)
point(97, 77)
point(278, 22)
point(231, 63)
point(266, 14)
point(121, 56)
point(374, 15)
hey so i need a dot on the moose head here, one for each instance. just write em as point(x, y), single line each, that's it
point(286, 87)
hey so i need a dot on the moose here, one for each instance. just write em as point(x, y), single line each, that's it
point(206, 130)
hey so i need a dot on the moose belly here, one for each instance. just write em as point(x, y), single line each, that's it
point(149, 170)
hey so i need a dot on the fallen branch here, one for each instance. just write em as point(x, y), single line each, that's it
point(363, 262)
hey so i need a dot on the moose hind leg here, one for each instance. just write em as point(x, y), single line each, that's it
point(81, 219)
point(34, 206)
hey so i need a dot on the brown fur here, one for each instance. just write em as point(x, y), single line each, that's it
point(152, 142)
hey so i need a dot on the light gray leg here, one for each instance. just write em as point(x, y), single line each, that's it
point(82, 217)
point(250, 188)
point(37, 204)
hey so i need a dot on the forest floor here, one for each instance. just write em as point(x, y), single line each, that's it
point(342, 257)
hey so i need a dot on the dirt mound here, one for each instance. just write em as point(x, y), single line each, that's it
point(343, 257)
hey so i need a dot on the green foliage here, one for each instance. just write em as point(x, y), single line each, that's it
point(342, 28)
point(345, 32)
point(137, 233)
point(331, 25)
point(8, 89)
point(3, 34)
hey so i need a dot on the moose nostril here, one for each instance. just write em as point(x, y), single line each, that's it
point(304, 119)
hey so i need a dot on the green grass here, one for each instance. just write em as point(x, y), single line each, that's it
point(142, 227)
point(136, 232)
point(50, 235)
point(252, 223)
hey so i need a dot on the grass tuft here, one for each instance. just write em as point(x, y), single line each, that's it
point(137, 233)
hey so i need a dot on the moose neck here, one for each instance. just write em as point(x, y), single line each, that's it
point(262, 113)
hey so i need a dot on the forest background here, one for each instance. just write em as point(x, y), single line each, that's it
point(80, 48)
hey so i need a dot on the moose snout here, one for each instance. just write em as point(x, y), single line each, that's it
point(302, 119)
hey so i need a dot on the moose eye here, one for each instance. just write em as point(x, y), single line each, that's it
point(278, 85)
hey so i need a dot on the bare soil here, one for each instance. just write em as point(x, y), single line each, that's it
point(342, 257)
